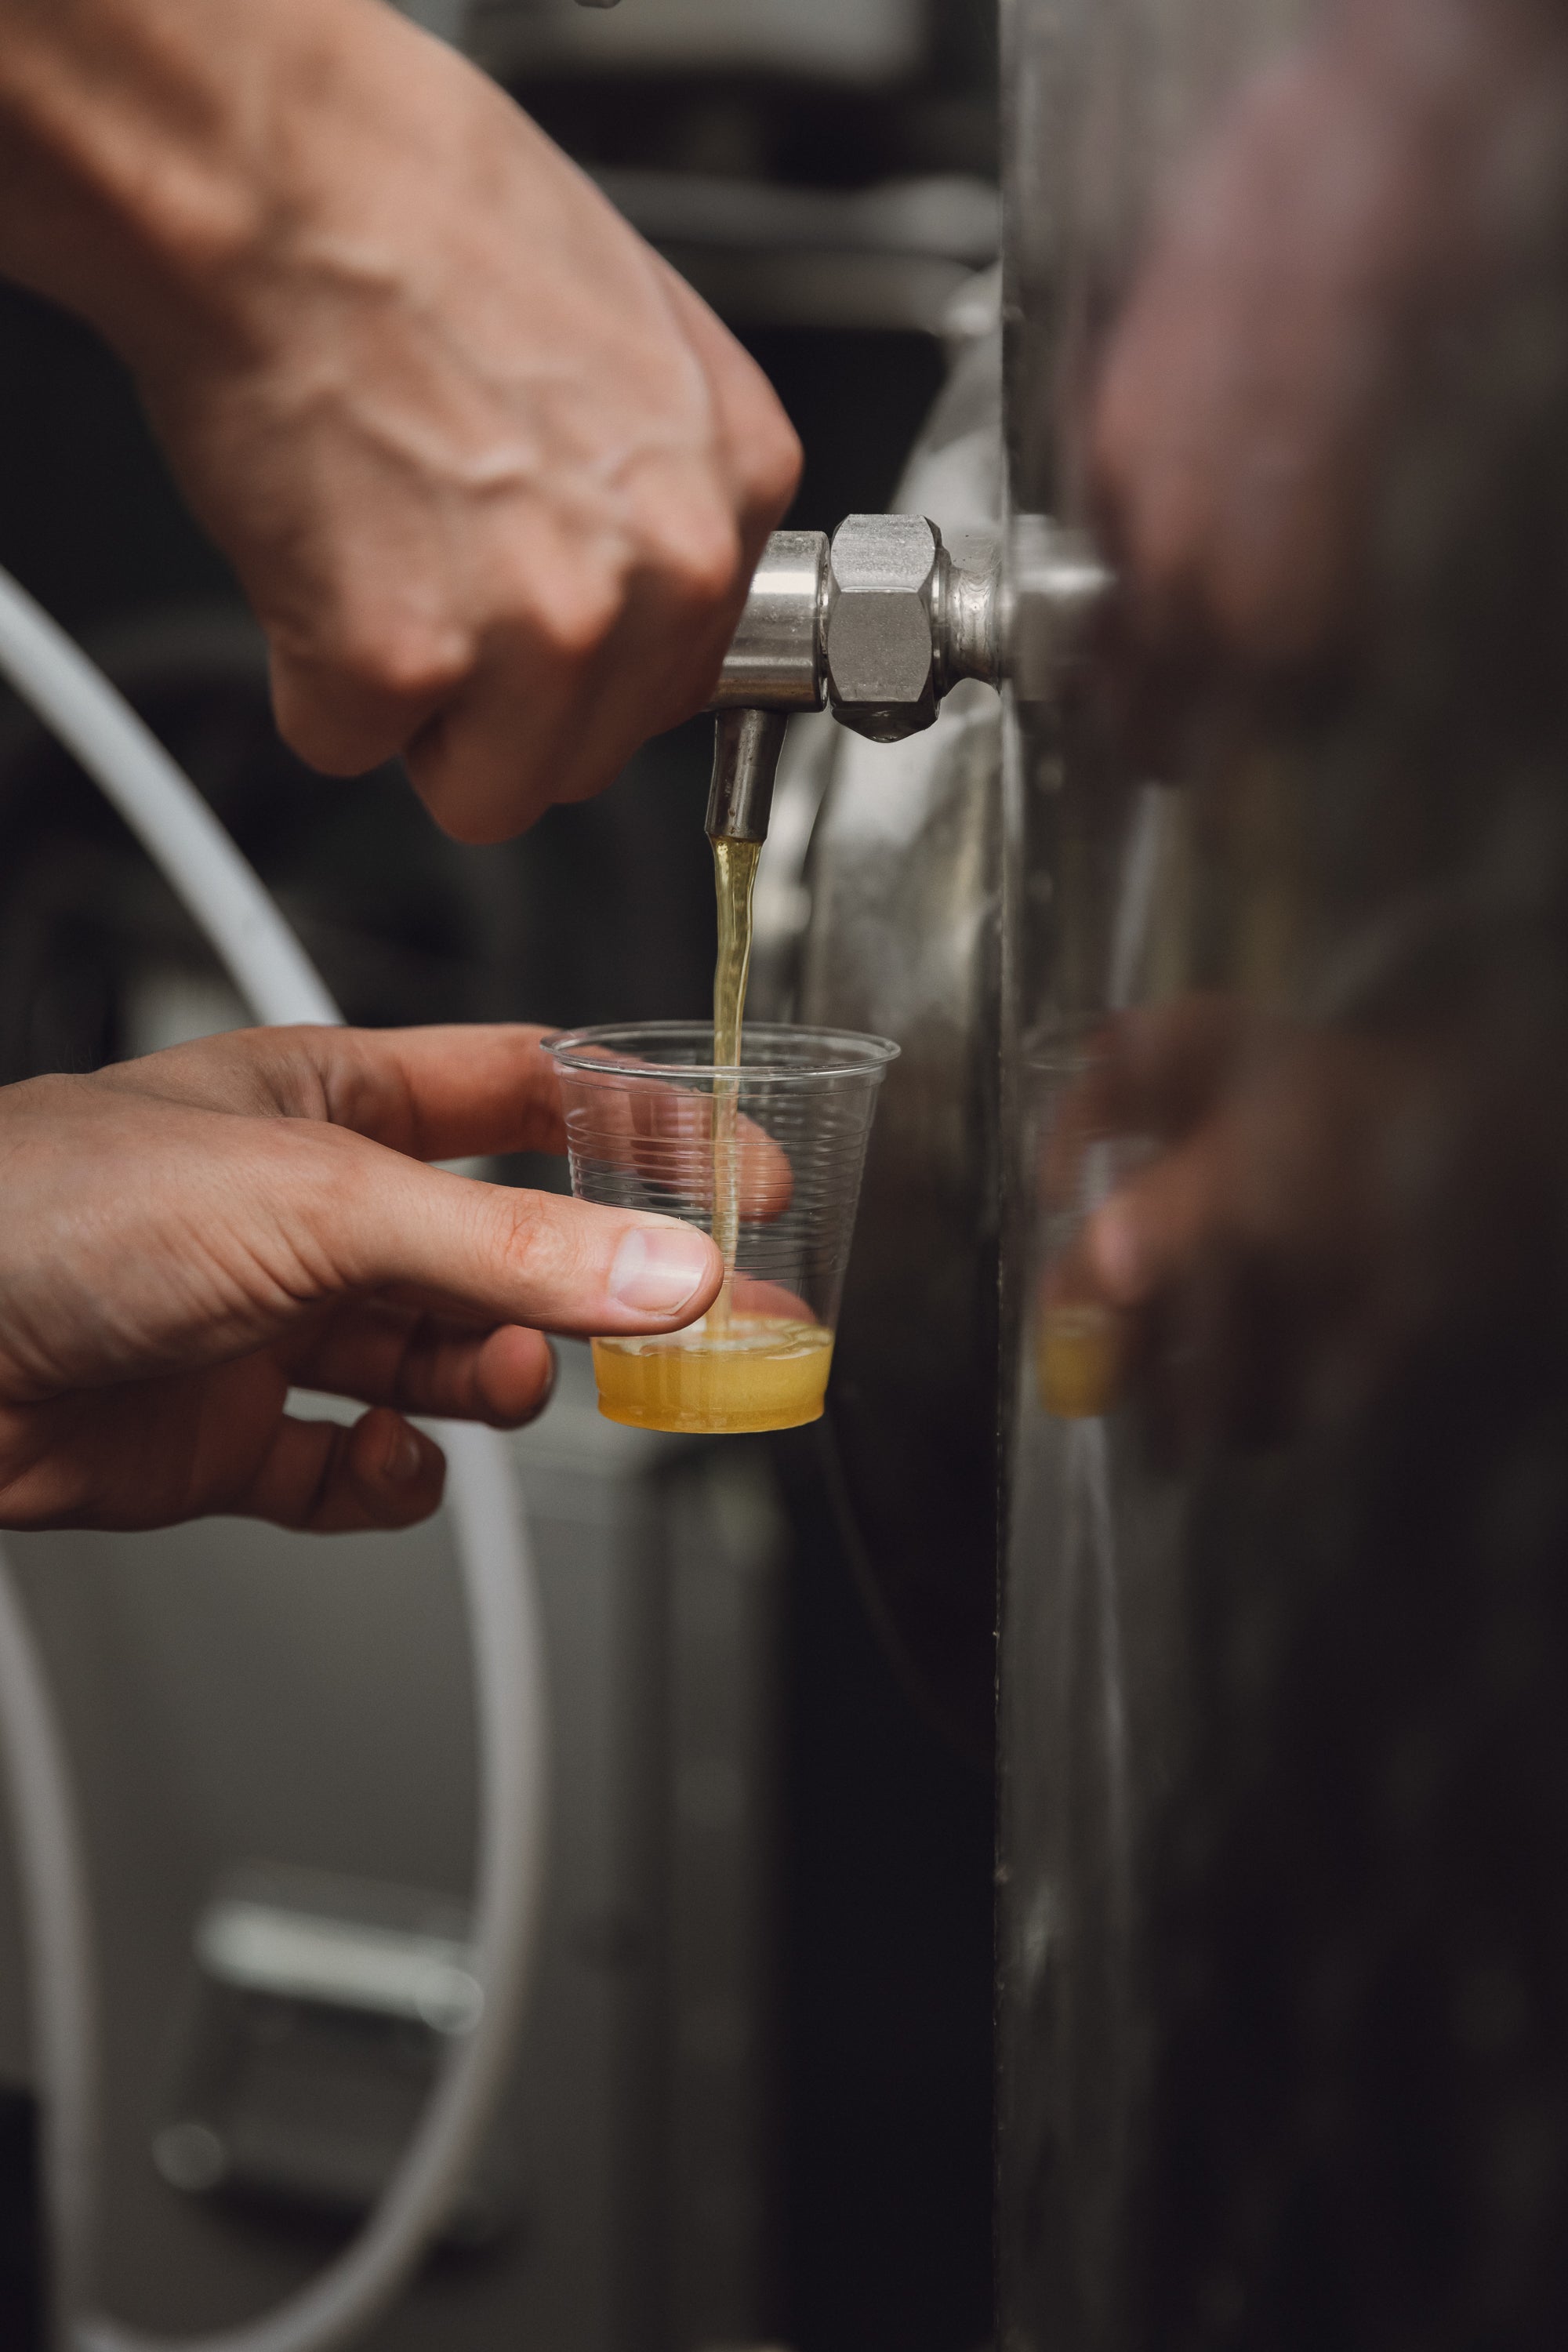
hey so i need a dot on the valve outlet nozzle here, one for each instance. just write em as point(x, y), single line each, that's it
point(746, 747)
point(878, 624)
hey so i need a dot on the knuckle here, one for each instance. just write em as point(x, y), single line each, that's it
point(765, 445)
point(408, 662)
point(773, 471)
point(524, 1233)
point(554, 1251)
point(564, 627)
point(698, 556)
point(576, 628)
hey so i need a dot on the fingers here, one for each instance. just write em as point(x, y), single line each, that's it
point(421, 1364)
point(156, 1453)
point(441, 1093)
point(581, 635)
point(769, 1300)
point(324, 1479)
point(509, 746)
point(548, 713)
point(658, 1137)
point(149, 1235)
point(447, 1092)
point(763, 447)
point(541, 717)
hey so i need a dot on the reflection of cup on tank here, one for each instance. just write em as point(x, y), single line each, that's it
point(1080, 1357)
point(642, 1105)
point(1080, 1344)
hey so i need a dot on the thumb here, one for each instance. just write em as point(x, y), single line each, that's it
point(522, 1257)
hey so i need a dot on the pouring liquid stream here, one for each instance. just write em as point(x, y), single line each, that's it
point(734, 1370)
point(734, 877)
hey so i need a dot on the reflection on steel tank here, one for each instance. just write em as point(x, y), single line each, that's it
point(1284, 1668)
point(878, 909)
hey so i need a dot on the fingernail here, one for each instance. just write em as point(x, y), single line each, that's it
point(403, 1464)
point(659, 1268)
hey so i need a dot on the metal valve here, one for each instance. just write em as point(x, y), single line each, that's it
point(876, 623)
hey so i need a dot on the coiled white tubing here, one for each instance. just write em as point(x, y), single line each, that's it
point(279, 984)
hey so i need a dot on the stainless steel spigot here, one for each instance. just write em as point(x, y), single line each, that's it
point(878, 624)
point(774, 666)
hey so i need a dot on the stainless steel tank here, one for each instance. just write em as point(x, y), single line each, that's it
point(1232, 974)
point(883, 874)
point(1284, 1916)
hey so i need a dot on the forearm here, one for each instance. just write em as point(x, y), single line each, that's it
point(148, 149)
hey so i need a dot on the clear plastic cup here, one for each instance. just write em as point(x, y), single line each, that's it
point(766, 1156)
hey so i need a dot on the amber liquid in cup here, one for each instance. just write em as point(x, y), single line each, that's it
point(760, 1371)
point(732, 1371)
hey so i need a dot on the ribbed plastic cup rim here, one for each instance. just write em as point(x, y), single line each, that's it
point(843, 1053)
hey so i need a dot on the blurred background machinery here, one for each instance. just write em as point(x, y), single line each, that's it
point(755, 2097)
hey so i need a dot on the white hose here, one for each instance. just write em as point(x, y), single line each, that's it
point(56, 1933)
point(271, 972)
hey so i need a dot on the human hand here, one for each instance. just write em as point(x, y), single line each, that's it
point(189, 1235)
point(493, 477)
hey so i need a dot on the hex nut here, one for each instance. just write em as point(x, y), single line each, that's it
point(885, 585)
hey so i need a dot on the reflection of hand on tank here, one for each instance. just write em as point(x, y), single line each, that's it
point(1249, 1265)
point(188, 1236)
point(1306, 266)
